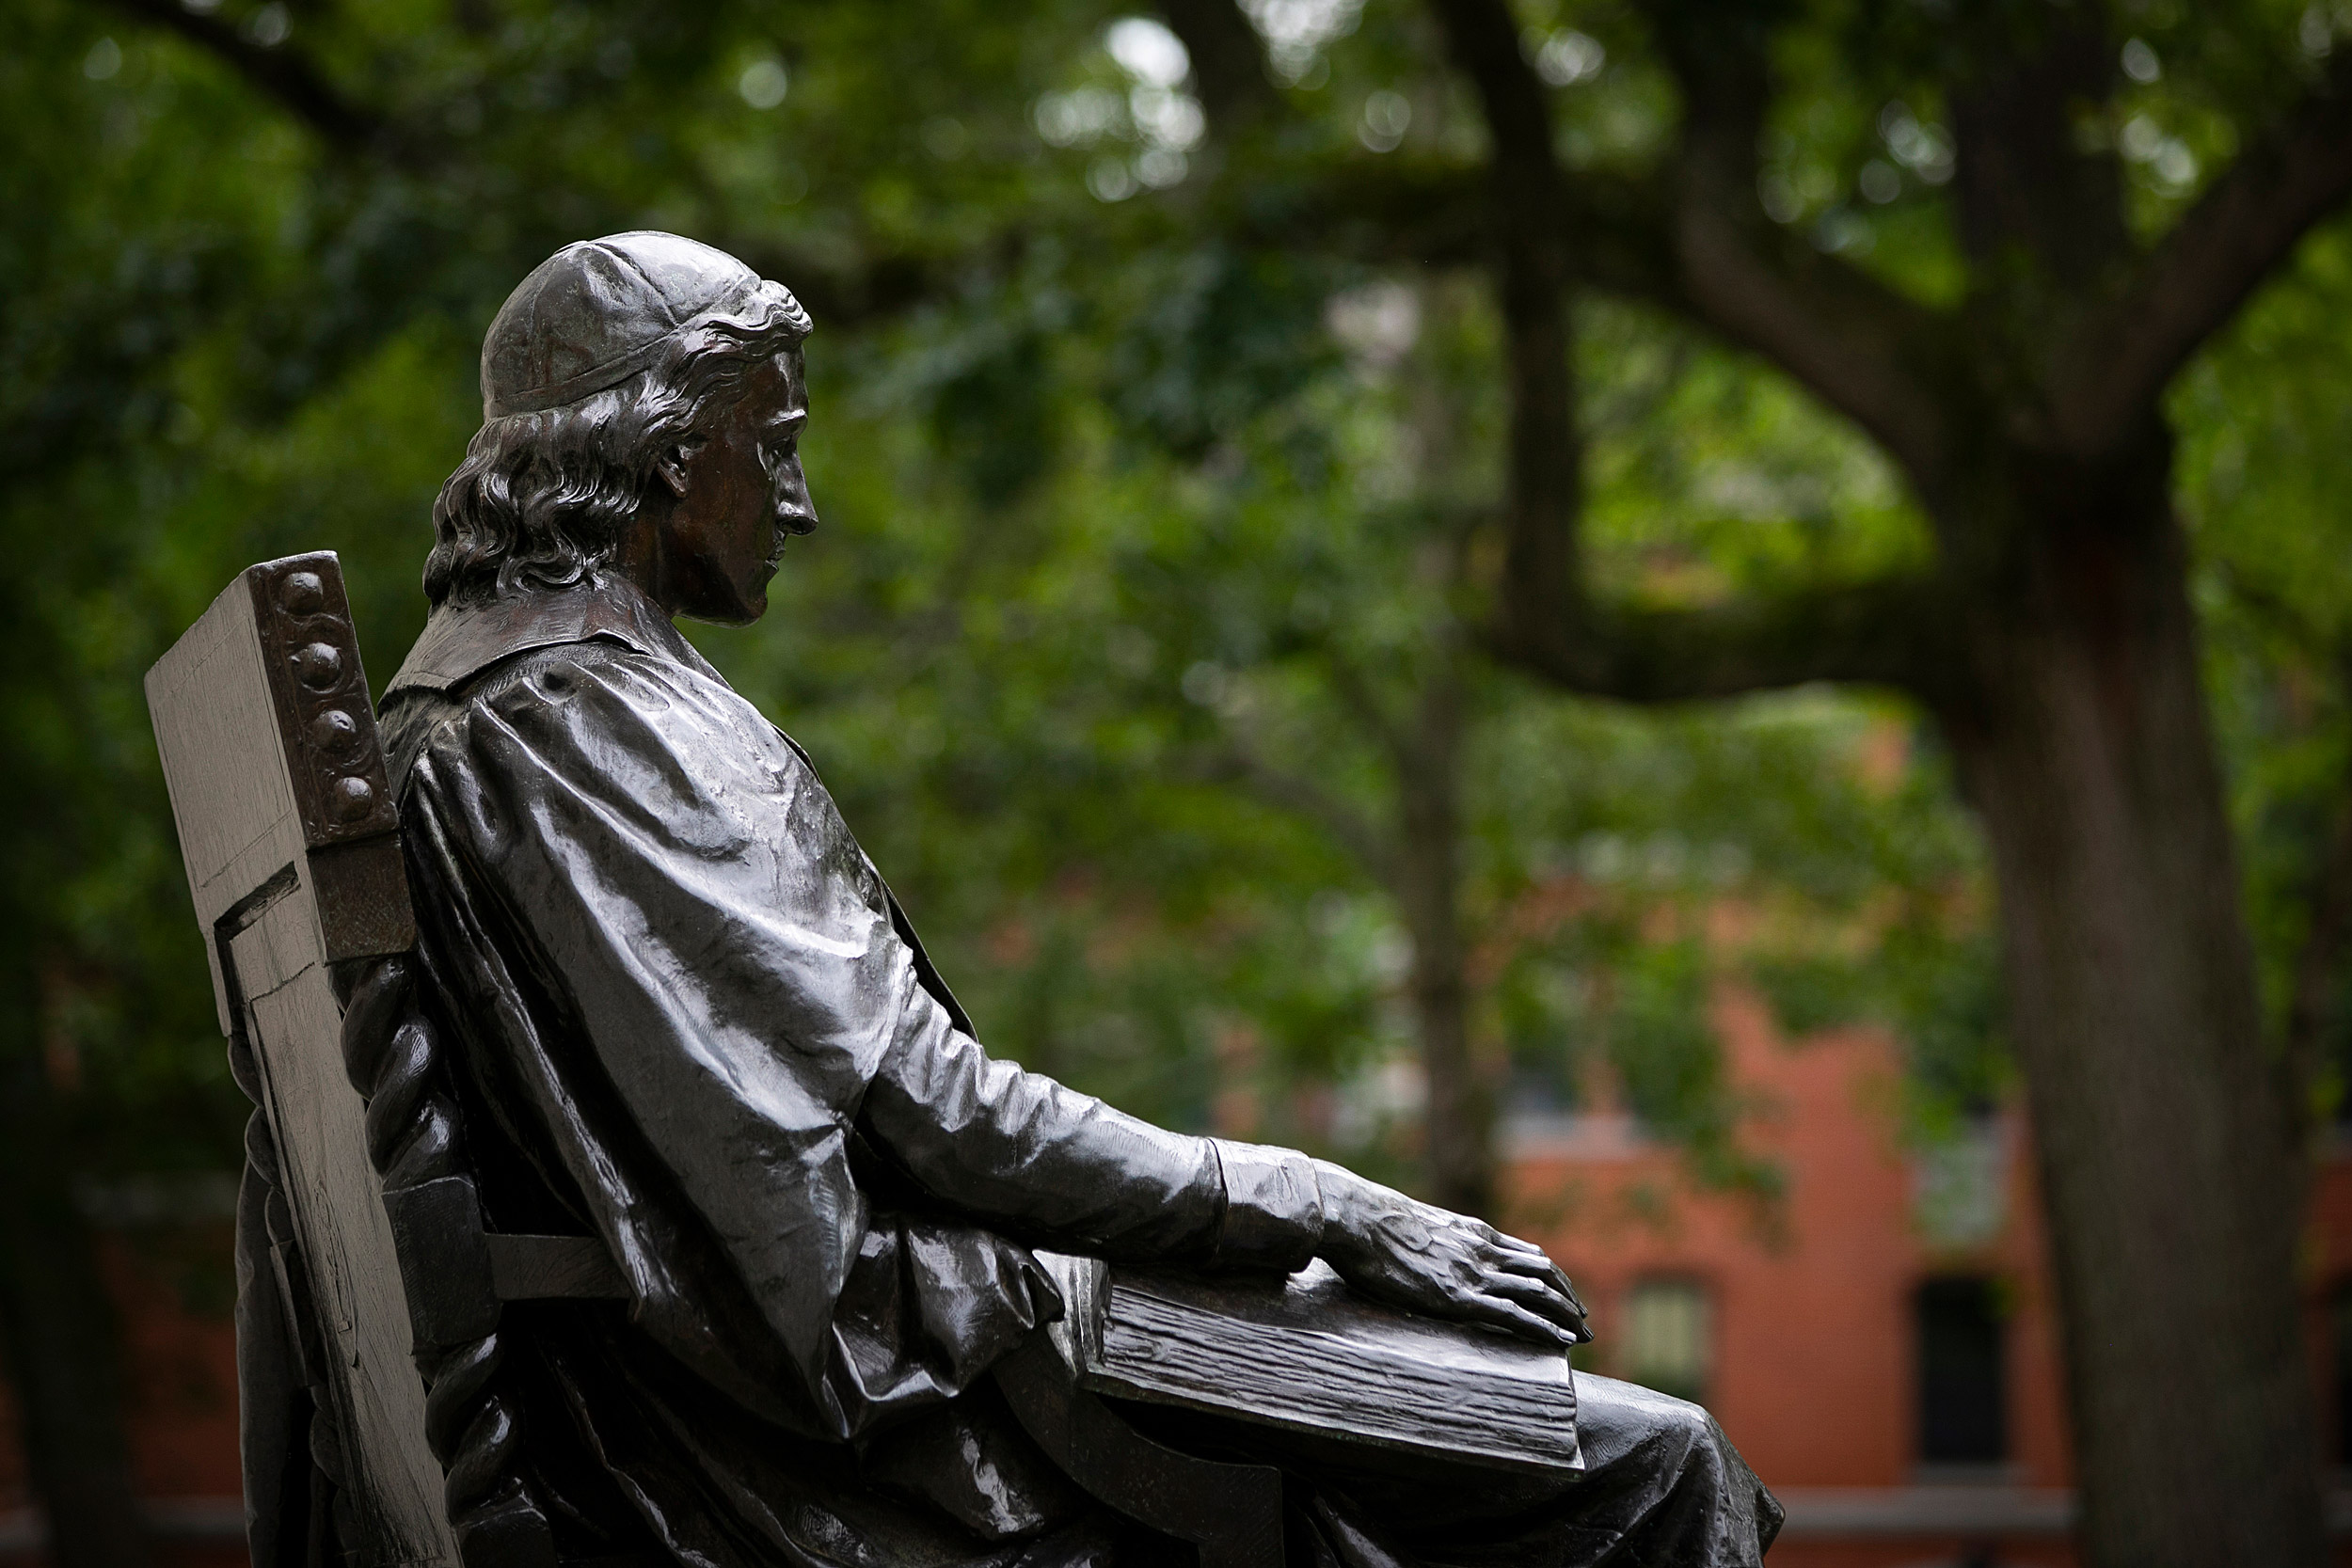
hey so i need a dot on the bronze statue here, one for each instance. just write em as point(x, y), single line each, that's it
point(684, 1016)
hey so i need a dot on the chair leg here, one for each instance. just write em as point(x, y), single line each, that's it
point(1231, 1513)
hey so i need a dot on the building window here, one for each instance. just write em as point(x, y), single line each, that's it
point(1963, 1416)
point(1669, 1337)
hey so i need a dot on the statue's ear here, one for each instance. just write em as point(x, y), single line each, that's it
point(671, 466)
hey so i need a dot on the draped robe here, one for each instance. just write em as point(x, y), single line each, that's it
point(688, 1018)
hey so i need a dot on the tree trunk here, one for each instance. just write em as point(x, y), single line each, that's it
point(2164, 1125)
point(1429, 876)
point(58, 1333)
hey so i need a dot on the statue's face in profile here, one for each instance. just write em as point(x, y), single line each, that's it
point(738, 496)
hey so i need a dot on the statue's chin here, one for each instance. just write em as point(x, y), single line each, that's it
point(750, 608)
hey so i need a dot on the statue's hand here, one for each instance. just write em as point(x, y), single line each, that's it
point(1423, 1259)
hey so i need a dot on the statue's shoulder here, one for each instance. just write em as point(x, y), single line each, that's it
point(592, 703)
point(590, 679)
point(470, 647)
point(588, 686)
point(552, 673)
point(602, 682)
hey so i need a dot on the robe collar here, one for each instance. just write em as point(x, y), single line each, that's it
point(459, 641)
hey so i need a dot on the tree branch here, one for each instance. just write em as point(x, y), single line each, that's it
point(1304, 797)
point(1228, 59)
point(872, 287)
point(2194, 281)
point(1545, 497)
point(1857, 345)
point(1842, 334)
point(281, 74)
point(2025, 188)
point(1893, 632)
point(1855, 342)
point(1411, 213)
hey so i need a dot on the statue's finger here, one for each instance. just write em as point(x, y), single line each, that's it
point(1526, 1325)
point(1539, 1267)
point(1540, 1297)
point(1534, 1264)
point(1513, 1243)
point(1566, 1287)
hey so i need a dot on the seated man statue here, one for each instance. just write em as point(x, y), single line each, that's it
point(688, 1019)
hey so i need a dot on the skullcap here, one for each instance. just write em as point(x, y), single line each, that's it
point(597, 311)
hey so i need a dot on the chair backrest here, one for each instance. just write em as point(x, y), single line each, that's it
point(287, 826)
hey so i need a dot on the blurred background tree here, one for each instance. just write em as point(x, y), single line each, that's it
point(1193, 426)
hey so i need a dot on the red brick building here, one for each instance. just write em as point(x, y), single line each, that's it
point(1879, 1340)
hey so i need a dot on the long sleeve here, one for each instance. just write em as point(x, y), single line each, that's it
point(1022, 1150)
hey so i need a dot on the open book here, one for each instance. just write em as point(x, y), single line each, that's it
point(1309, 1354)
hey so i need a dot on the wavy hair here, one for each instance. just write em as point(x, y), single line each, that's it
point(543, 499)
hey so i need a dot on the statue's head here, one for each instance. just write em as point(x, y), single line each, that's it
point(641, 402)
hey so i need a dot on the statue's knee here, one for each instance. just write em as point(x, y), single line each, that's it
point(1694, 1423)
point(1686, 1431)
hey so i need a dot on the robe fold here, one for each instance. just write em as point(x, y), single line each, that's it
point(687, 1016)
